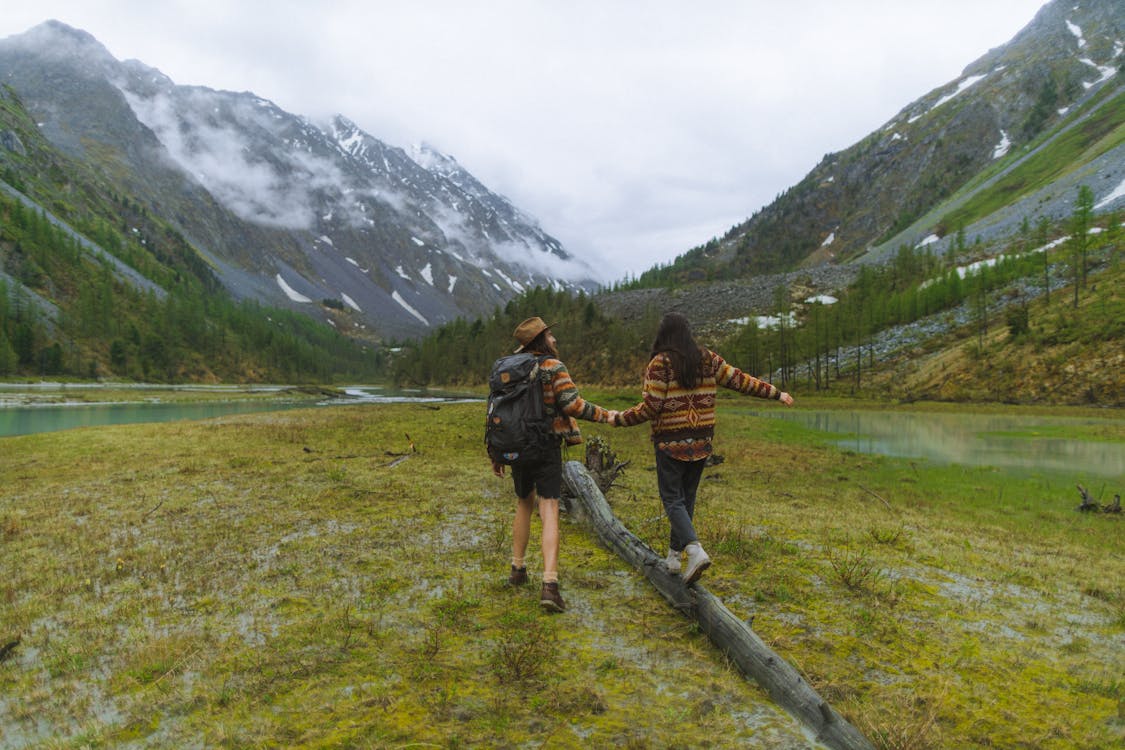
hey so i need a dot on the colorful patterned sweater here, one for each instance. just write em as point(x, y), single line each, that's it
point(560, 397)
point(683, 421)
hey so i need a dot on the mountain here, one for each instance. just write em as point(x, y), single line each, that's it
point(320, 218)
point(1012, 137)
point(967, 249)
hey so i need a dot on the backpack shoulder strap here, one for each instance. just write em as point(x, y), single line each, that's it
point(544, 377)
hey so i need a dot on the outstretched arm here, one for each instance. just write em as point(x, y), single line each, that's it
point(570, 403)
point(729, 376)
point(657, 378)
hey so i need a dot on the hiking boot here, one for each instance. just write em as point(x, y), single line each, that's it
point(697, 562)
point(550, 599)
point(518, 576)
point(672, 562)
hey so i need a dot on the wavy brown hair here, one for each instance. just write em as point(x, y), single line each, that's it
point(675, 339)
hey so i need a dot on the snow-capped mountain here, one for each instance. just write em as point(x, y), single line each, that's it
point(322, 217)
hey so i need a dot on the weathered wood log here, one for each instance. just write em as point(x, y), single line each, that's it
point(1115, 506)
point(1089, 504)
point(602, 463)
point(746, 650)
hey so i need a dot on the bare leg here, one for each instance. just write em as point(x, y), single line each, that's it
point(521, 529)
point(549, 515)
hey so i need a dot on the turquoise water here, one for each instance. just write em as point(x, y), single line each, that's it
point(18, 418)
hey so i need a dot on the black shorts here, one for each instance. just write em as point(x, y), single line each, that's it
point(544, 477)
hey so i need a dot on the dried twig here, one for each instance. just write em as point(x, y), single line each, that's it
point(7, 649)
point(876, 496)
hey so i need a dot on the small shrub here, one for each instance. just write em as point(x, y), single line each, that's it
point(853, 567)
point(524, 648)
point(1018, 321)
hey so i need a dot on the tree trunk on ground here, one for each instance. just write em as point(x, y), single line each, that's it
point(733, 636)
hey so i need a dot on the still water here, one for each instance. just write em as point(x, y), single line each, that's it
point(21, 413)
point(1008, 443)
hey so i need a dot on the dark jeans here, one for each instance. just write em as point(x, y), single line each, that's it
point(678, 482)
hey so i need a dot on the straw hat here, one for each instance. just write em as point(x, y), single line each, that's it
point(528, 330)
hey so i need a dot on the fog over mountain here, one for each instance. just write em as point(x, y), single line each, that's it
point(323, 217)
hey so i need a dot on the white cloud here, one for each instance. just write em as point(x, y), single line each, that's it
point(218, 155)
point(632, 131)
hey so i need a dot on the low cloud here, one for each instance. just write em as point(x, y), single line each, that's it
point(538, 262)
point(205, 135)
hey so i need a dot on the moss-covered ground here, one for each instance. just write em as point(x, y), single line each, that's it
point(337, 577)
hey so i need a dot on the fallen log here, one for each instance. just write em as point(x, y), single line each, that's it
point(734, 637)
point(1089, 504)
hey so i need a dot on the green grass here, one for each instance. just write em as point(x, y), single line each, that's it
point(279, 580)
point(1102, 132)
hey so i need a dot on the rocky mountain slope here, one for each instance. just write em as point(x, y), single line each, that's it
point(1011, 138)
point(321, 218)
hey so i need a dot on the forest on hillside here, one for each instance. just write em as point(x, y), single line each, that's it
point(81, 320)
point(822, 346)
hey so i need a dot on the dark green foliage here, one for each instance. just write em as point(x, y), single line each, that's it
point(71, 314)
point(1046, 103)
point(106, 327)
point(1018, 320)
point(594, 347)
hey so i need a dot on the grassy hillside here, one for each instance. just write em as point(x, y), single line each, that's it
point(918, 328)
point(1063, 355)
point(1053, 156)
point(141, 305)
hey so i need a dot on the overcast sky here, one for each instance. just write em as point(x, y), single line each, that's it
point(632, 130)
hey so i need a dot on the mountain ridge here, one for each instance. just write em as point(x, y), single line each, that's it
point(286, 211)
point(859, 203)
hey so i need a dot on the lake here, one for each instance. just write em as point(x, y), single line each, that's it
point(1005, 442)
point(29, 409)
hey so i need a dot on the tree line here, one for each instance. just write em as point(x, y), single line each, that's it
point(65, 312)
point(826, 344)
point(818, 345)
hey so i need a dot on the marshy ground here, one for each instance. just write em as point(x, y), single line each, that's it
point(336, 577)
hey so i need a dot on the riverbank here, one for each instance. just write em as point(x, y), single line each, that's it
point(26, 393)
point(337, 577)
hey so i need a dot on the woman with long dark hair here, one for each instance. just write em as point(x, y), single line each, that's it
point(678, 399)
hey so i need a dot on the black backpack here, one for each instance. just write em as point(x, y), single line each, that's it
point(518, 428)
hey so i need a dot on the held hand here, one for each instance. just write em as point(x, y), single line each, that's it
point(612, 419)
point(785, 398)
point(498, 469)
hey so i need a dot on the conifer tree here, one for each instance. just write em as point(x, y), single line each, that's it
point(1080, 222)
point(1042, 229)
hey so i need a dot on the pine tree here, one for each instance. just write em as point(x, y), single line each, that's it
point(1080, 222)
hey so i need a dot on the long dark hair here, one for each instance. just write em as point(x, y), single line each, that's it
point(539, 345)
point(674, 338)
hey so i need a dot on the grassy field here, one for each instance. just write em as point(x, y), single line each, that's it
point(336, 577)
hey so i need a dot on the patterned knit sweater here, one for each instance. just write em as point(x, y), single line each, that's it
point(560, 397)
point(683, 421)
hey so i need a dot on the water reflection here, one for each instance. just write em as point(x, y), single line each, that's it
point(24, 410)
point(28, 420)
point(966, 439)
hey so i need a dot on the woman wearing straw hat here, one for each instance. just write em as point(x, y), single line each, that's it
point(542, 481)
